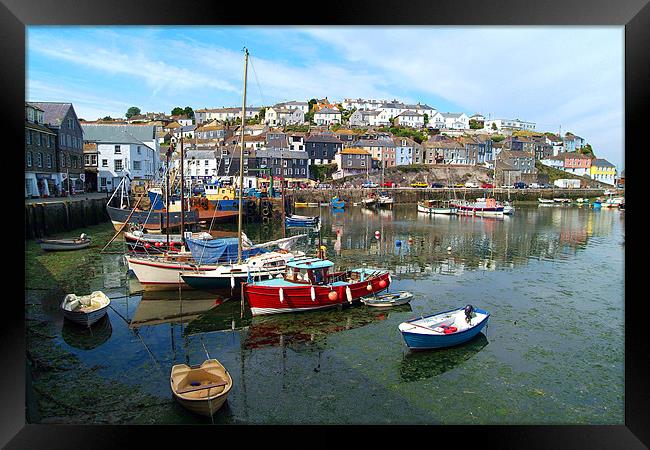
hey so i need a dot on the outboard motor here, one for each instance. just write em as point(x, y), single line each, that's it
point(469, 310)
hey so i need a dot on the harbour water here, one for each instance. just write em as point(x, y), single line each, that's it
point(553, 352)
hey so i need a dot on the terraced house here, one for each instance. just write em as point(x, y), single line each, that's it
point(321, 148)
point(603, 171)
point(62, 119)
point(352, 161)
point(40, 155)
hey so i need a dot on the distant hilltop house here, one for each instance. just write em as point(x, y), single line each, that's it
point(410, 119)
point(327, 116)
point(449, 121)
point(508, 124)
point(278, 115)
point(303, 106)
point(365, 118)
point(222, 114)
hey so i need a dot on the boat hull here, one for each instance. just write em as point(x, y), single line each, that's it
point(162, 275)
point(420, 341)
point(267, 300)
point(53, 246)
point(432, 210)
point(86, 319)
point(149, 220)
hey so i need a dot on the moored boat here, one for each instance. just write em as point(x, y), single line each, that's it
point(53, 245)
point(153, 243)
point(202, 389)
point(561, 200)
point(307, 285)
point(444, 329)
point(388, 299)
point(301, 221)
point(545, 201)
point(337, 203)
point(436, 207)
point(385, 200)
point(85, 309)
point(487, 208)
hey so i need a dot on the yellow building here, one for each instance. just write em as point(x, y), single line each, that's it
point(603, 171)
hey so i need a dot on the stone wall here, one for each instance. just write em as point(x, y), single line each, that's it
point(47, 218)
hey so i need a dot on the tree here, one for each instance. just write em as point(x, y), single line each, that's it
point(494, 126)
point(132, 111)
point(475, 124)
point(178, 111)
point(587, 150)
point(426, 118)
point(189, 112)
point(107, 118)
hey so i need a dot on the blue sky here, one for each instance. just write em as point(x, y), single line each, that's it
point(568, 77)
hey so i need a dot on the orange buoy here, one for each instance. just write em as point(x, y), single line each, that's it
point(333, 295)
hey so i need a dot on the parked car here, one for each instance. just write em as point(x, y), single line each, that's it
point(419, 184)
point(436, 185)
point(534, 186)
point(388, 184)
point(508, 186)
point(520, 185)
point(487, 185)
point(369, 184)
point(470, 184)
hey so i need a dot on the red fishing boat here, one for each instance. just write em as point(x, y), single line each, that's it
point(308, 284)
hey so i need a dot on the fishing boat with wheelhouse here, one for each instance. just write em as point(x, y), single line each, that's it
point(308, 284)
point(487, 208)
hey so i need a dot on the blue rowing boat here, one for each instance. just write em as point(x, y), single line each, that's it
point(337, 203)
point(444, 329)
point(295, 220)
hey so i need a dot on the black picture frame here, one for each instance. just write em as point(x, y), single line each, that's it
point(633, 14)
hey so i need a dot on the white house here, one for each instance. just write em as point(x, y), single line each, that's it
point(223, 114)
point(327, 116)
point(275, 116)
point(509, 124)
point(410, 119)
point(556, 142)
point(303, 106)
point(186, 131)
point(123, 150)
point(449, 121)
point(360, 103)
point(200, 165)
point(555, 161)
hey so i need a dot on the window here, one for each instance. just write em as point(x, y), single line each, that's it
point(139, 151)
point(104, 162)
point(137, 165)
point(69, 140)
point(206, 163)
point(118, 164)
point(38, 138)
point(39, 159)
point(102, 182)
point(61, 140)
point(49, 161)
point(28, 137)
point(29, 159)
point(118, 150)
point(69, 161)
point(87, 160)
point(62, 158)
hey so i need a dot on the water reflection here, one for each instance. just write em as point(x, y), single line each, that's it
point(417, 366)
point(87, 338)
point(312, 328)
point(157, 307)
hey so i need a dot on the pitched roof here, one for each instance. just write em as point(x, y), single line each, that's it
point(53, 112)
point(328, 111)
point(601, 162)
point(410, 113)
point(323, 137)
point(128, 134)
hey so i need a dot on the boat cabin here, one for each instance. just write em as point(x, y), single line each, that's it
point(311, 271)
point(217, 192)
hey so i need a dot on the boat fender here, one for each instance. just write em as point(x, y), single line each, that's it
point(281, 296)
point(232, 282)
point(390, 280)
point(313, 294)
point(348, 294)
point(448, 330)
point(369, 287)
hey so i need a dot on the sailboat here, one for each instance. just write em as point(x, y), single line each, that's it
point(258, 263)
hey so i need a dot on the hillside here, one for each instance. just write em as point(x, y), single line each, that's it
point(404, 175)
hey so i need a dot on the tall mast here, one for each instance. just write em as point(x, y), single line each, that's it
point(241, 158)
point(182, 192)
point(170, 150)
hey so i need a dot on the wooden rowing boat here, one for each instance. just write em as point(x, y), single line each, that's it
point(85, 309)
point(388, 299)
point(202, 389)
point(53, 245)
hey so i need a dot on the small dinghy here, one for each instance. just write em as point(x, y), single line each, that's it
point(85, 309)
point(444, 329)
point(301, 221)
point(52, 245)
point(388, 299)
point(203, 389)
